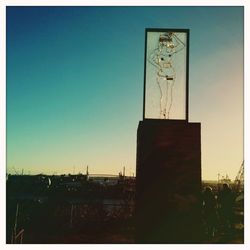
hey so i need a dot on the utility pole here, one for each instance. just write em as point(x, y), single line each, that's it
point(124, 171)
point(87, 173)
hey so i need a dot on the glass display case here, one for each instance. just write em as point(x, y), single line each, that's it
point(166, 74)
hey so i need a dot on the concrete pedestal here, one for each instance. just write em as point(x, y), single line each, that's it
point(168, 182)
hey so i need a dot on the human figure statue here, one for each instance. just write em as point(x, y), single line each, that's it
point(209, 211)
point(163, 59)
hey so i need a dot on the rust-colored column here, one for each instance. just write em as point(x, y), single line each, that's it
point(168, 176)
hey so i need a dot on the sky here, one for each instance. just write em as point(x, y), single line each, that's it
point(75, 86)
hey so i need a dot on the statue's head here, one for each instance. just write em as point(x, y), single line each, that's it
point(166, 39)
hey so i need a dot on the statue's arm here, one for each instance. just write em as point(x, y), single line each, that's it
point(180, 44)
point(153, 59)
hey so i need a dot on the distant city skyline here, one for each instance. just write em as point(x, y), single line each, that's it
point(75, 86)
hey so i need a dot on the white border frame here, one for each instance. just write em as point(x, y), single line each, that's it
point(5, 3)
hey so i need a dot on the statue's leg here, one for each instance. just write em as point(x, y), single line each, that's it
point(169, 98)
point(163, 87)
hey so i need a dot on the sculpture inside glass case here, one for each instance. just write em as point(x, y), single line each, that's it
point(166, 52)
point(162, 58)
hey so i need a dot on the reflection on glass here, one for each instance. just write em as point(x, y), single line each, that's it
point(165, 75)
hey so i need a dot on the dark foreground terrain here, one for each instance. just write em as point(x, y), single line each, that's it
point(77, 210)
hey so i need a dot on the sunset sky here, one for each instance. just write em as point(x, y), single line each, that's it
point(75, 85)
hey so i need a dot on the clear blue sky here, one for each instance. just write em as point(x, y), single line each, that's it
point(75, 85)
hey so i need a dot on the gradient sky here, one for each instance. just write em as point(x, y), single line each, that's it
point(75, 85)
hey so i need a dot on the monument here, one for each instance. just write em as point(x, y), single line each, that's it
point(168, 171)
